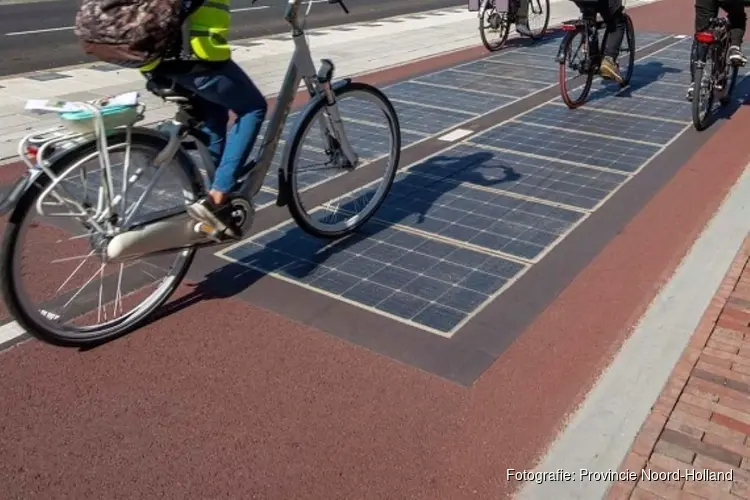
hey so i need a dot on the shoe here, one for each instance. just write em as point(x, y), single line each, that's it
point(609, 70)
point(690, 92)
point(736, 56)
point(218, 217)
point(522, 28)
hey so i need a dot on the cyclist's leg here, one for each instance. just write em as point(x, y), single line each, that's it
point(214, 116)
point(588, 13)
point(215, 120)
point(227, 87)
point(612, 13)
point(522, 18)
point(704, 11)
point(735, 10)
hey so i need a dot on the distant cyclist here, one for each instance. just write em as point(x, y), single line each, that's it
point(612, 12)
point(735, 9)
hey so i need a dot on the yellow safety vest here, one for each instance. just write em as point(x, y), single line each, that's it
point(208, 32)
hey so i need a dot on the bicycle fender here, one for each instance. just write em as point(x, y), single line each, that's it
point(17, 191)
point(283, 178)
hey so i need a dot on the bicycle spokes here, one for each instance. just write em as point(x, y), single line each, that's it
point(61, 270)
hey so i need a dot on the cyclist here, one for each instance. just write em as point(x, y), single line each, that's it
point(201, 62)
point(735, 9)
point(612, 12)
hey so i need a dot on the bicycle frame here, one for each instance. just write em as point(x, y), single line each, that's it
point(301, 68)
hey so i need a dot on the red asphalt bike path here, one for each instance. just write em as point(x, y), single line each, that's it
point(226, 400)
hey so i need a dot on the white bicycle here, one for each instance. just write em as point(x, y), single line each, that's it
point(121, 245)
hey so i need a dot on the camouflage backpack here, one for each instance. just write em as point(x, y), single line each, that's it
point(128, 33)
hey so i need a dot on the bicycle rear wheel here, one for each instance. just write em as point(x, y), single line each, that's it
point(381, 144)
point(494, 28)
point(576, 59)
point(703, 94)
point(56, 305)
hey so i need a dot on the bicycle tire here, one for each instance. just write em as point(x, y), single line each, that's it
point(303, 125)
point(43, 329)
point(543, 31)
point(699, 123)
point(504, 25)
point(563, 78)
point(630, 34)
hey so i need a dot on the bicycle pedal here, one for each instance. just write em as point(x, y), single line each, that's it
point(207, 230)
point(214, 234)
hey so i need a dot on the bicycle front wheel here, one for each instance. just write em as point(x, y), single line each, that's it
point(55, 278)
point(370, 126)
point(628, 51)
point(538, 18)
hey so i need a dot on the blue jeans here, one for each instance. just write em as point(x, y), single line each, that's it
point(226, 88)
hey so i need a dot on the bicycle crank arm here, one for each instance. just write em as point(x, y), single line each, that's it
point(169, 234)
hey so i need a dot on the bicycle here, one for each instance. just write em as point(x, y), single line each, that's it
point(498, 15)
point(111, 232)
point(710, 50)
point(588, 65)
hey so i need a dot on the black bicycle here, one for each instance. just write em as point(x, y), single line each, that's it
point(497, 16)
point(577, 57)
point(711, 69)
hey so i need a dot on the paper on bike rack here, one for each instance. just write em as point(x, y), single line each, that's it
point(126, 99)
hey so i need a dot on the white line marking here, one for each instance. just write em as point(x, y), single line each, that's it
point(623, 113)
point(586, 132)
point(33, 32)
point(259, 7)
point(663, 99)
point(543, 158)
point(457, 134)
point(9, 331)
point(509, 194)
point(451, 87)
point(438, 108)
point(491, 75)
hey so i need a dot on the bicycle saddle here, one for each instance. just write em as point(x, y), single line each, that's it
point(168, 90)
